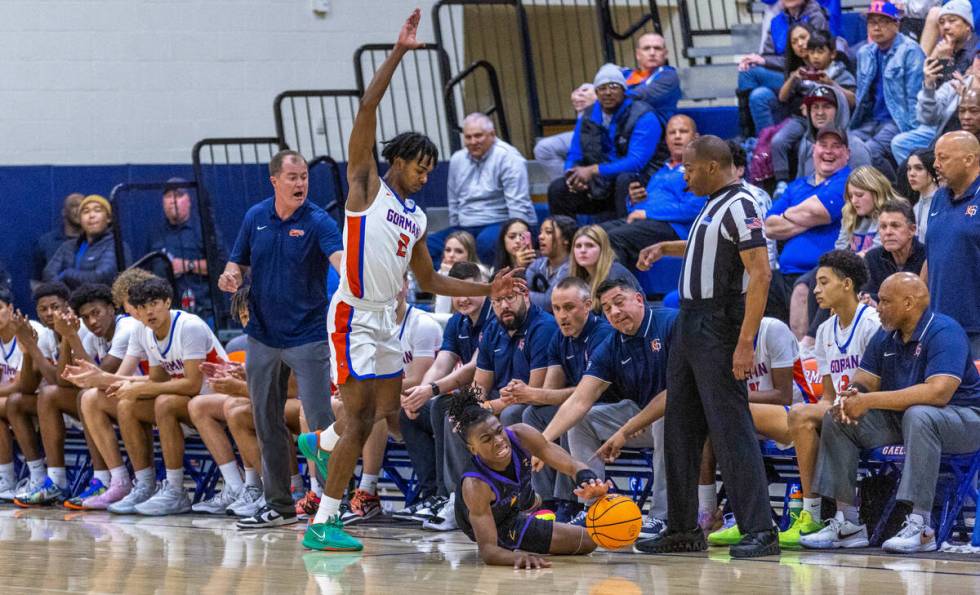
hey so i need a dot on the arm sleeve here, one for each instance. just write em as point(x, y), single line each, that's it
point(782, 347)
point(329, 236)
point(914, 76)
point(675, 207)
point(105, 269)
point(134, 347)
point(846, 79)
point(58, 262)
point(664, 84)
point(832, 197)
point(779, 205)
point(948, 351)
point(871, 360)
point(820, 351)
point(513, 178)
point(743, 226)
point(554, 354)
point(643, 143)
point(241, 252)
point(121, 338)
point(539, 344)
point(484, 356)
point(602, 364)
point(196, 340)
point(449, 335)
point(427, 337)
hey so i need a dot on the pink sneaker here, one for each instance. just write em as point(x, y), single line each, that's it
point(115, 493)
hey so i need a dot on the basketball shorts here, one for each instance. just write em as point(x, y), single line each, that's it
point(526, 533)
point(364, 344)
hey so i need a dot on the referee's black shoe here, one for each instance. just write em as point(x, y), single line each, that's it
point(754, 545)
point(673, 541)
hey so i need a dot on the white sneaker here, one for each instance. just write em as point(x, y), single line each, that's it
point(169, 499)
point(914, 536)
point(445, 519)
point(837, 533)
point(140, 493)
point(219, 503)
point(24, 490)
point(10, 488)
point(249, 502)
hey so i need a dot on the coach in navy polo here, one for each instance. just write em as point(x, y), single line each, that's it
point(953, 236)
point(288, 245)
point(633, 362)
point(514, 345)
point(917, 385)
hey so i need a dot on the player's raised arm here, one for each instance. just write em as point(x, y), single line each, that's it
point(362, 171)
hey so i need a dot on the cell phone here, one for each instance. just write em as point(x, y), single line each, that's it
point(947, 71)
point(811, 75)
point(526, 239)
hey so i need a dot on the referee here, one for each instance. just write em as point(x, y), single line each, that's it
point(723, 290)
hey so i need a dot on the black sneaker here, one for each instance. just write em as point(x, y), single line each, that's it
point(753, 545)
point(420, 511)
point(673, 541)
point(266, 517)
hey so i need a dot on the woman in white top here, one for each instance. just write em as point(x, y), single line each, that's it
point(923, 180)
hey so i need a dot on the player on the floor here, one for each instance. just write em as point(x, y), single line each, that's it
point(176, 343)
point(366, 355)
point(495, 502)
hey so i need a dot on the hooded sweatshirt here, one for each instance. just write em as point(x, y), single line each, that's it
point(859, 151)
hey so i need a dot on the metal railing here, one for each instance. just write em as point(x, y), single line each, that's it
point(318, 122)
point(232, 173)
point(455, 97)
point(414, 100)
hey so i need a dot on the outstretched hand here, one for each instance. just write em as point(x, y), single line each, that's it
point(593, 489)
point(507, 283)
point(406, 37)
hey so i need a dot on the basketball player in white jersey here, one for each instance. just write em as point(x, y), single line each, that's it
point(840, 342)
point(176, 344)
point(11, 360)
point(384, 235)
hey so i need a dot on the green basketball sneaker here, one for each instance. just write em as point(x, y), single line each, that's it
point(803, 524)
point(728, 534)
point(309, 445)
point(331, 537)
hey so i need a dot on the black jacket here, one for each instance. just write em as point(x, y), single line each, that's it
point(96, 265)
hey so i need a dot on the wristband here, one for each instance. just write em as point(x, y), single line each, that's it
point(435, 389)
point(584, 476)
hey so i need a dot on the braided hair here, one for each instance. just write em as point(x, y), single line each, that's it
point(465, 411)
point(410, 146)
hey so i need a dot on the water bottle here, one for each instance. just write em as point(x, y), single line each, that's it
point(187, 301)
point(795, 498)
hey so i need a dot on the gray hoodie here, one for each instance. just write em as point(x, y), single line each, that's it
point(859, 151)
point(935, 107)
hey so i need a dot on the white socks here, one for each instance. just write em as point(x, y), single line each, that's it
point(231, 475)
point(315, 486)
point(102, 475)
point(369, 483)
point(7, 473)
point(329, 508)
point(175, 477)
point(812, 505)
point(708, 498)
point(252, 477)
point(119, 475)
point(849, 512)
point(146, 476)
point(37, 470)
point(58, 476)
point(329, 438)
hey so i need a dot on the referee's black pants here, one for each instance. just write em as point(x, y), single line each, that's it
point(704, 398)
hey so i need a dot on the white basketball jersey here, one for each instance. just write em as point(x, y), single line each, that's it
point(11, 360)
point(98, 348)
point(47, 342)
point(190, 338)
point(839, 350)
point(378, 246)
point(420, 335)
point(776, 347)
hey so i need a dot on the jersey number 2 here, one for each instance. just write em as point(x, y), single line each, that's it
point(403, 241)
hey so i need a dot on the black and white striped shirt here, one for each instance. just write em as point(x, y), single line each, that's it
point(728, 224)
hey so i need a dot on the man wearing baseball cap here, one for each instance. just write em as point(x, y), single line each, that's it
point(889, 76)
point(824, 106)
point(614, 144)
point(807, 216)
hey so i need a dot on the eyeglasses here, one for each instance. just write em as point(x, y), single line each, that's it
point(508, 299)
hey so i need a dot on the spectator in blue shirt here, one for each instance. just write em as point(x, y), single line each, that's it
point(426, 428)
point(807, 217)
point(917, 385)
point(487, 185)
point(653, 80)
point(46, 245)
point(611, 146)
point(634, 361)
point(953, 237)
point(514, 346)
point(664, 210)
point(581, 332)
point(180, 237)
point(889, 77)
point(287, 244)
point(91, 257)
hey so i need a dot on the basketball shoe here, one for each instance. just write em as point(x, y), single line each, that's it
point(42, 494)
point(363, 506)
point(309, 445)
point(330, 537)
point(837, 533)
point(307, 507)
point(803, 524)
point(95, 488)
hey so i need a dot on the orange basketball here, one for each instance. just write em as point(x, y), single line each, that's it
point(614, 522)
